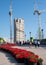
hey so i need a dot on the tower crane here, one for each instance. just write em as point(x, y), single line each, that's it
point(10, 14)
point(38, 12)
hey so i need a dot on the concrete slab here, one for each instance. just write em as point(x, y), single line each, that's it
point(7, 59)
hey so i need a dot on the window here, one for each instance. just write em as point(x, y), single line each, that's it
point(19, 20)
point(16, 20)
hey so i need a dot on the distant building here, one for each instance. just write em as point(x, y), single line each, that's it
point(18, 30)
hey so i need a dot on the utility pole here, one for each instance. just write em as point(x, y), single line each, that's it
point(10, 14)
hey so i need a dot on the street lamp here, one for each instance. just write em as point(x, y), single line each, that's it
point(25, 37)
point(30, 34)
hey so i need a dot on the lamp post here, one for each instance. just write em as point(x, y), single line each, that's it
point(30, 34)
point(25, 37)
point(10, 14)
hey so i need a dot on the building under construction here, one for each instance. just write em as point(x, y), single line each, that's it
point(18, 30)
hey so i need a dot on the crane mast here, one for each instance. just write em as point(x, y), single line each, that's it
point(36, 11)
point(10, 14)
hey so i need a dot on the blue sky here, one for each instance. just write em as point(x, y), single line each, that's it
point(22, 9)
